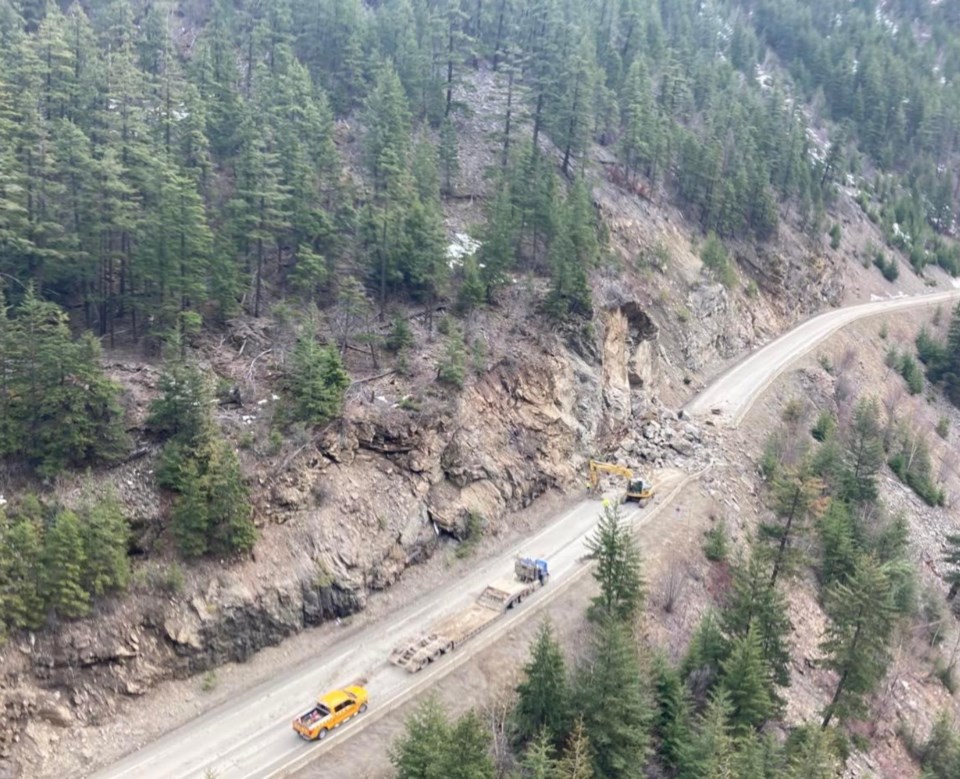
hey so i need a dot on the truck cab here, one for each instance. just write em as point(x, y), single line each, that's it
point(331, 711)
point(528, 569)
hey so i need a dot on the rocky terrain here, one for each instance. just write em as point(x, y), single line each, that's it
point(345, 511)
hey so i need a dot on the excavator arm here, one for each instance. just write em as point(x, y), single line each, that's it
point(637, 489)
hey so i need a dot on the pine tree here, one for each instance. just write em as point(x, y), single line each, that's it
point(672, 724)
point(864, 452)
point(63, 564)
point(181, 411)
point(755, 603)
point(105, 544)
point(576, 763)
point(855, 646)
point(812, 754)
point(22, 588)
point(229, 513)
point(796, 497)
point(618, 568)
point(838, 542)
point(190, 516)
point(449, 158)
point(614, 703)
point(538, 761)
point(707, 650)
point(712, 751)
point(746, 680)
point(420, 752)
point(317, 381)
point(543, 695)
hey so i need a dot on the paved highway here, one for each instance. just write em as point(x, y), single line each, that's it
point(735, 390)
point(250, 736)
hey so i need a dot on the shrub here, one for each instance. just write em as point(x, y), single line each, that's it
point(835, 235)
point(452, 366)
point(715, 257)
point(824, 426)
point(943, 427)
point(715, 546)
point(317, 381)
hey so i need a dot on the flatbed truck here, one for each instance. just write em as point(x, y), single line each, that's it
point(449, 633)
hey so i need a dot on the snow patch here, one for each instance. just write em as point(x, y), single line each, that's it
point(460, 248)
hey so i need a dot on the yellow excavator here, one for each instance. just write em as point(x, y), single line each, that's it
point(637, 489)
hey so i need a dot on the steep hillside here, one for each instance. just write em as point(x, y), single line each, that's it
point(414, 263)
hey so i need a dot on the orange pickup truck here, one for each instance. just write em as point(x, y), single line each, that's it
point(331, 711)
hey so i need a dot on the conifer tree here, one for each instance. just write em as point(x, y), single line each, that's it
point(812, 755)
point(63, 563)
point(615, 703)
point(796, 497)
point(618, 568)
point(864, 452)
point(23, 596)
point(190, 516)
point(747, 682)
point(543, 695)
point(317, 379)
point(855, 646)
point(838, 542)
point(575, 763)
point(755, 603)
point(538, 761)
point(105, 543)
point(229, 513)
point(706, 652)
point(420, 752)
point(672, 723)
point(712, 751)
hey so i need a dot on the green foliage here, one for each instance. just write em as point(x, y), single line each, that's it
point(63, 562)
point(755, 604)
point(432, 748)
point(943, 427)
point(671, 725)
point(825, 425)
point(57, 408)
point(839, 543)
point(795, 498)
point(401, 336)
point(747, 682)
point(715, 257)
point(618, 568)
point(182, 408)
point(940, 754)
point(452, 367)
point(863, 452)
point(951, 557)
point(911, 373)
point(911, 462)
point(835, 235)
point(862, 615)
point(317, 381)
point(613, 699)
point(716, 546)
point(888, 267)
point(543, 697)
point(105, 545)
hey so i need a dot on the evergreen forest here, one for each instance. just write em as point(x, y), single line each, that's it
point(170, 167)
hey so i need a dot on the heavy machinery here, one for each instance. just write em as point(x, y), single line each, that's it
point(331, 711)
point(447, 634)
point(637, 489)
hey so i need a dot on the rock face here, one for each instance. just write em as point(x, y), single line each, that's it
point(370, 499)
